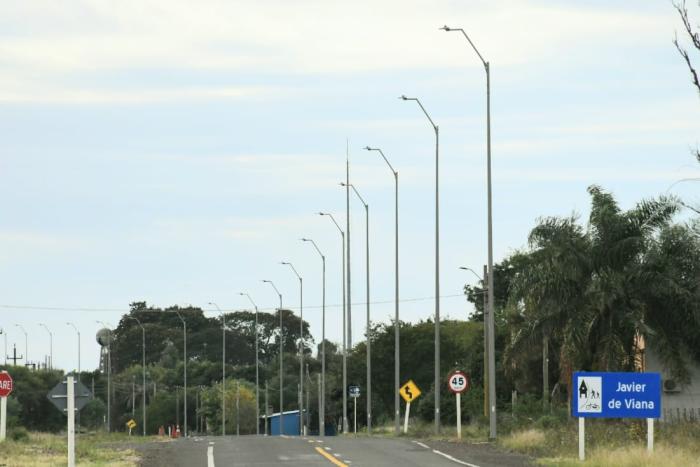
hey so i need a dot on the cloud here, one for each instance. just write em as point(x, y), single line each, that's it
point(56, 44)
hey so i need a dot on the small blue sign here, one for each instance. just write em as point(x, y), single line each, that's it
point(354, 391)
point(616, 395)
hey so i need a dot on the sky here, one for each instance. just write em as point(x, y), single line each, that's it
point(175, 152)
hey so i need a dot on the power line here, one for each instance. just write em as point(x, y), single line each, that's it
point(122, 310)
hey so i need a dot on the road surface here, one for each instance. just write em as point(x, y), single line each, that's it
point(341, 451)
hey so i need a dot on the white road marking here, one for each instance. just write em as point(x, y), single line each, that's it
point(447, 456)
point(422, 445)
point(337, 455)
point(210, 456)
point(327, 448)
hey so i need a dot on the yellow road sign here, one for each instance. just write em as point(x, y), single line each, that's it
point(131, 424)
point(409, 391)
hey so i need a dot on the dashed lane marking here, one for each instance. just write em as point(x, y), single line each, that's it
point(421, 444)
point(210, 456)
point(330, 457)
point(453, 459)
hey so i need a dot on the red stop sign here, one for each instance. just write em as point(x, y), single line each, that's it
point(5, 384)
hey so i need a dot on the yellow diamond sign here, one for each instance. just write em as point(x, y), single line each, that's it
point(409, 391)
point(131, 424)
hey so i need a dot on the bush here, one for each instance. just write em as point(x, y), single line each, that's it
point(18, 433)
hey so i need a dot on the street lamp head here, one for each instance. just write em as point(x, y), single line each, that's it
point(264, 280)
point(445, 28)
point(322, 213)
point(367, 148)
point(343, 184)
point(304, 239)
point(403, 97)
point(284, 262)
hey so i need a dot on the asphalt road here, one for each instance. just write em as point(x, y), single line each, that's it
point(341, 451)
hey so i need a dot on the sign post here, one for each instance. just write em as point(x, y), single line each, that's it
point(458, 382)
point(70, 397)
point(409, 392)
point(5, 390)
point(354, 392)
point(616, 395)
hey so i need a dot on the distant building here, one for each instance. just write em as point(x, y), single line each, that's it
point(679, 402)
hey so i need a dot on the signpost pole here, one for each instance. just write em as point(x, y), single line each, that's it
point(458, 398)
point(581, 439)
point(650, 435)
point(70, 406)
point(3, 417)
point(405, 422)
point(355, 408)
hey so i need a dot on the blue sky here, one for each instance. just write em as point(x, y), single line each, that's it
point(175, 152)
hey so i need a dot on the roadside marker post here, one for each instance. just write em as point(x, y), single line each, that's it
point(354, 392)
point(6, 386)
point(457, 383)
point(410, 392)
point(615, 395)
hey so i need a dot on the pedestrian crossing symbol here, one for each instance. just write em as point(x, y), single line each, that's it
point(409, 391)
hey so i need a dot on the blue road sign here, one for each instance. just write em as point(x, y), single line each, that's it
point(616, 395)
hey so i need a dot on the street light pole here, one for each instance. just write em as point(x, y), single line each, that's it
point(345, 353)
point(281, 359)
point(26, 344)
point(490, 325)
point(484, 294)
point(437, 261)
point(301, 347)
point(223, 369)
point(78, 332)
point(257, 368)
point(348, 311)
point(143, 368)
point(397, 361)
point(322, 395)
point(368, 340)
point(109, 376)
point(184, 360)
point(50, 345)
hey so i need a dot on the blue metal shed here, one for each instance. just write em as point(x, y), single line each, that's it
point(290, 420)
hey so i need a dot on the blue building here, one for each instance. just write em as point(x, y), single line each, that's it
point(290, 421)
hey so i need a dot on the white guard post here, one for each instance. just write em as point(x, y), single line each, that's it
point(3, 417)
point(581, 438)
point(458, 397)
point(405, 421)
point(650, 434)
point(70, 407)
point(355, 418)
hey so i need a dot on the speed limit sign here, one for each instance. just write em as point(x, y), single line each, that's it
point(458, 382)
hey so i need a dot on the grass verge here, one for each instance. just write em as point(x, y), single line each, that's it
point(44, 449)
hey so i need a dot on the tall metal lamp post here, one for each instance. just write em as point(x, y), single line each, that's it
point(437, 261)
point(322, 395)
point(50, 345)
point(368, 325)
point(397, 350)
point(78, 332)
point(26, 344)
point(223, 369)
point(143, 368)
point(301, 346)
point(345, 352)
point(490, 318)
point(257, 367)
point(281, 358)
point(184, 360)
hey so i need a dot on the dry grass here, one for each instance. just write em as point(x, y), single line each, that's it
point(43, 449)
point(529, 441)
point(635, 456)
